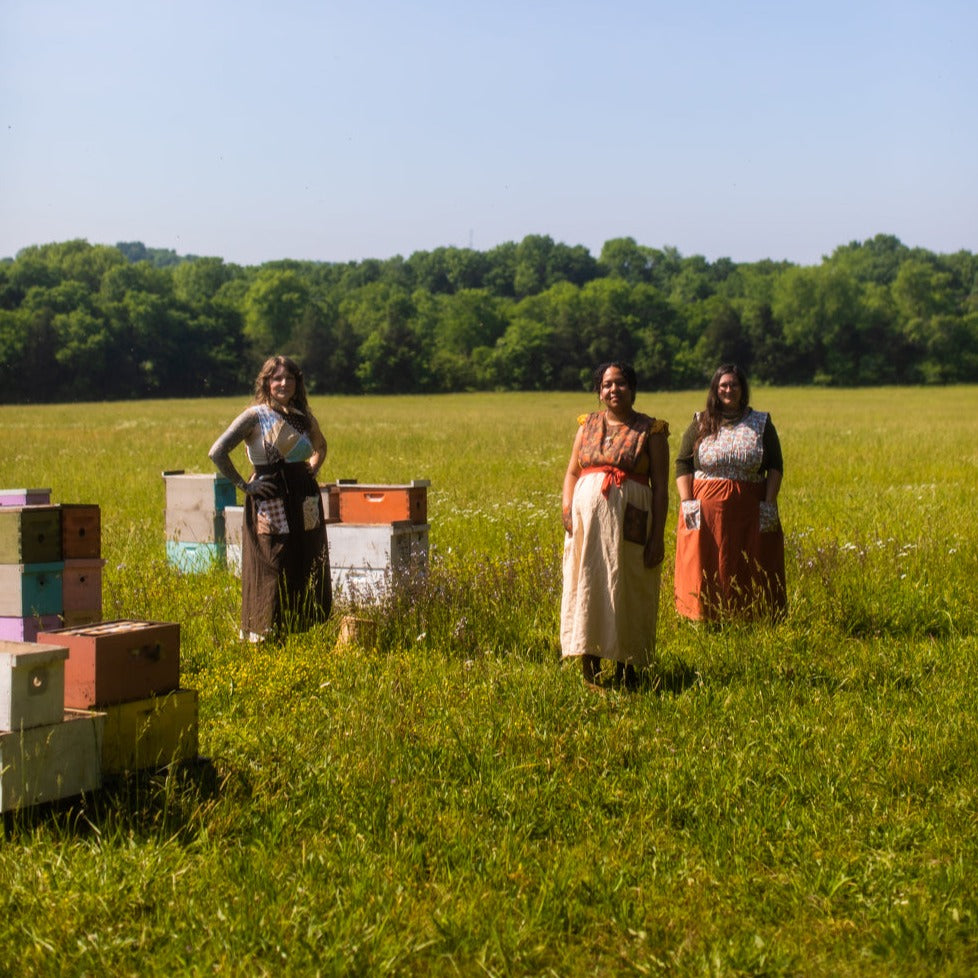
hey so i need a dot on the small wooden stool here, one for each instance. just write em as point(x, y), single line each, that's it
point(361, 632)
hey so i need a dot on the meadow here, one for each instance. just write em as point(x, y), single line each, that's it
point(791, 799)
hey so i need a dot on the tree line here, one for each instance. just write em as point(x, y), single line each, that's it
point(98, 322)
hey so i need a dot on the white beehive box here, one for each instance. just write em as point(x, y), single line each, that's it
point(397, 547)
point(233, 529)
point(32, 684)
point(366, 559)
point(58, 760)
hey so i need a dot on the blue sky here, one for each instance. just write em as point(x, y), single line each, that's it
point(339, 131)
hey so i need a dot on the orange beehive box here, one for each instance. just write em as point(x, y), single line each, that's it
point(117, 661)
point(81, 530)
point(384, 504)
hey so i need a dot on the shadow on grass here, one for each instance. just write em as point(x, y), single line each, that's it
point(168, 801)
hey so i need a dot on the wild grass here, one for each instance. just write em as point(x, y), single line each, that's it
point(798, 799)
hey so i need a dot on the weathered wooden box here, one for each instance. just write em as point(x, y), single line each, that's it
point(31, 589)
point(195, 505)
point(331, 502)
point(116, 661)
point(382, 503)
point(25, 497)
point(32, 684)
point(81, 585)
point(46, 763)
point(151, 732)
point(24, 628)
point(81, 530)
point(30, 534)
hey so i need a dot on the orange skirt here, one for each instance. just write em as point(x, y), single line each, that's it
point(726, 566)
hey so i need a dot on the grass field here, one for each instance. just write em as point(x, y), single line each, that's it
point(799, 799)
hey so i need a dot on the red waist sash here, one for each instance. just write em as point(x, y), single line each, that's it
point(614, 474)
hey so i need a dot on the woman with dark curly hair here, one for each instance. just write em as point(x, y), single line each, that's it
point(285, 581)
point(615, 498)
point(729, 543)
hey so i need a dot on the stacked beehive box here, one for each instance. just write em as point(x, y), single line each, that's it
point(31, 565)
point(129, 671)
point(50, 563)
point(378, 535)
point(81, 548)
point(195, 532)
point(46, 752)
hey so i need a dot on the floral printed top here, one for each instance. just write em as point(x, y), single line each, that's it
point(622, 445)
point(743, 450)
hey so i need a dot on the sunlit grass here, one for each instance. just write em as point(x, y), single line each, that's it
point(790, 800)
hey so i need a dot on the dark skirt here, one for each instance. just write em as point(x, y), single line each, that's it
point(285, 579)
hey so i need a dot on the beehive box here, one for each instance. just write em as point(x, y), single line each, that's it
point(360, 583)
point(233, 528)
point(81, 531)
point(367, 558)
point(150, 733)
point(195, 558)
point(397, 546)
point(383, 504)
point(46, 763)
point(117, 661)
point(32, 684)
point(31, 589)
point(81, 585)
point(30, 534)
point(206, 491)
point(24, 628)
point(25, 497)
point(331, 502)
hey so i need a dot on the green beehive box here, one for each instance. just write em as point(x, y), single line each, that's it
point(30, 534)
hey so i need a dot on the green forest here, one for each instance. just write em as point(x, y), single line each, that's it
point(84, 322)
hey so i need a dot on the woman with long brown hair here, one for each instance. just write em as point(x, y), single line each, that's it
point(285, 579)
point(729, 542)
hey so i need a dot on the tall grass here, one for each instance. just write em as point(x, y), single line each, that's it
point(798, 799)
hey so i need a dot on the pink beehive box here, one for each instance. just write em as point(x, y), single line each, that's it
point(24, 628)
point(25, 497)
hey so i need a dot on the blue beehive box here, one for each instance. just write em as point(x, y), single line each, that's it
point(31, 589)
point(191, 557)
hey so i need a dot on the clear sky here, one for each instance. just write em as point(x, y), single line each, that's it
point(262, 129)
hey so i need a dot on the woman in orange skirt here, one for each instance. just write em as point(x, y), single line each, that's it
point(729, 542)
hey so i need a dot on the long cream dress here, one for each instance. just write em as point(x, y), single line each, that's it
point(610, 600)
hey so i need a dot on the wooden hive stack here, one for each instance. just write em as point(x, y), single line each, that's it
point(129, 671)
point(81, 546)
point(46, 752)
point(195, 534)
point(50, 563)
point(31, 569)
point(378, 535)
